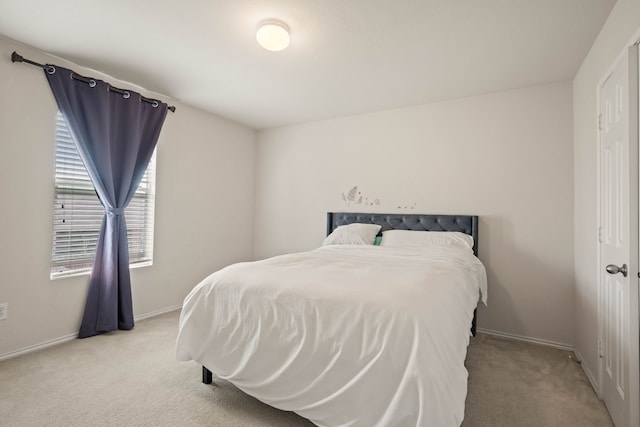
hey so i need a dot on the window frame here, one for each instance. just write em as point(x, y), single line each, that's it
point(77, 210)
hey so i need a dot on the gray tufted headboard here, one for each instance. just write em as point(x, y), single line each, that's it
point(467, 224)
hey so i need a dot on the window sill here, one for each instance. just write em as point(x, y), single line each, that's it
point(87, 271)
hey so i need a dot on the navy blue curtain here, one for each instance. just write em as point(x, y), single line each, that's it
point(116, 134)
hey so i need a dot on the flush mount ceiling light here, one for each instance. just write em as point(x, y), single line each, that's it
point(273, 35)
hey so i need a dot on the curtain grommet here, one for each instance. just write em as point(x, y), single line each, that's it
point(126, 95)
point(51, 69)
point(155, 104)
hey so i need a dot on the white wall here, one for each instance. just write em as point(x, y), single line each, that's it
point(204, 207)
point(506, 157)
point(623, 22)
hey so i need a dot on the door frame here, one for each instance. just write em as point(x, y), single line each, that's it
point(634, 294)
point(634, 227)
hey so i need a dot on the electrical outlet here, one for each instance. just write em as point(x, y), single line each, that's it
point(4, 310)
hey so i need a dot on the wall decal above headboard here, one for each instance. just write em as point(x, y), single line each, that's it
point(407, 207)
point(354, 196)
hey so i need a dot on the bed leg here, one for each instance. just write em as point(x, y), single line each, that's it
point(473, 323)
point(207, 376)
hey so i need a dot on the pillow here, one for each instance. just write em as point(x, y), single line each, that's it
point(414, 239)
point(353, 234)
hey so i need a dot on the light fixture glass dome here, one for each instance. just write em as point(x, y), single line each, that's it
point(273, 35)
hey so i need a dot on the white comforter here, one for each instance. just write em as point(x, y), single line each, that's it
point(344, 335)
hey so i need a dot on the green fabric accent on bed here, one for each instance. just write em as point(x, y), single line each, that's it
point(378, 240)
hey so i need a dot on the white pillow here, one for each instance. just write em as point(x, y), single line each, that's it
point(353, 234)
point(414, 239)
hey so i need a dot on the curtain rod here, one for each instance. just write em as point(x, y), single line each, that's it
point(16, 57)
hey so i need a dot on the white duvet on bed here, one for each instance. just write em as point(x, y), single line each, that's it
point(344, 335)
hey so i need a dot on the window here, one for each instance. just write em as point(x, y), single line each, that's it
point(78, 213)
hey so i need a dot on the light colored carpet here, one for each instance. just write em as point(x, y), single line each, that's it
point(514, 383)
point(132, 379)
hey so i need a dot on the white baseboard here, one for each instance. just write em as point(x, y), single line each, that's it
point(36, 347)
point(589, 374)
point(158, 312)
point(548, 343)
point(66, 338)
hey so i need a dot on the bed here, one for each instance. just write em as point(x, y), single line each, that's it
point(347, 334)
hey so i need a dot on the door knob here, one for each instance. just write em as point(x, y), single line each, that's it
point(614, 269)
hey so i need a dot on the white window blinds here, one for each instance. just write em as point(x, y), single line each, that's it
point(78, 213)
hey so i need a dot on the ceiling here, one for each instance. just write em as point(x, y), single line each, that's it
point(346, 56)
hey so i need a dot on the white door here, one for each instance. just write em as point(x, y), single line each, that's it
point(619, 242)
